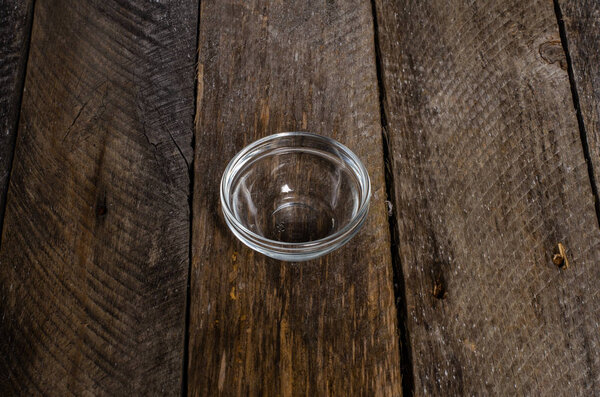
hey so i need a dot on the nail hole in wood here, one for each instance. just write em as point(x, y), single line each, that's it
point(560, 258)
point(439, 291)
point(101, 210)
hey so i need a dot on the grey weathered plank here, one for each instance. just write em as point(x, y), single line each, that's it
point(94, 260)
point(15, 27)
point(259, 326)
point(582, 32)
point(489, 177)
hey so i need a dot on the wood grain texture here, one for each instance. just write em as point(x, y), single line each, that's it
point(489, 177)
point(15, 26)
point(259, 326)
point(582, 31)
point(94, 262)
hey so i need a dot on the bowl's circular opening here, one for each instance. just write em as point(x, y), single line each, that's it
point(295, 195)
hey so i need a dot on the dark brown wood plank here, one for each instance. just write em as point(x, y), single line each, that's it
point(259, 326)
point(581, 24)
point(94, 260)
point(489, 177)
point(15, 27)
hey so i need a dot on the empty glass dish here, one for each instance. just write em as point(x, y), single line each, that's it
point(295, 196)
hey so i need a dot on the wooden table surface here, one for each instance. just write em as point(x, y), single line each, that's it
point(479, 123)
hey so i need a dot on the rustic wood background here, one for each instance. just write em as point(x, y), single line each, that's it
point(479, 123)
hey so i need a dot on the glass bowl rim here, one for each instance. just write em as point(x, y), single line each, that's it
point(289, 248)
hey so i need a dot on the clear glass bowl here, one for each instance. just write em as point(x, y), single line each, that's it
point(295, 196)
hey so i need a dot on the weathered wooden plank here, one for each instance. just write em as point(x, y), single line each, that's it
point(15, 27)
point(582, 32)
point(259, 326)
point(94, 261)
point(489, 177)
